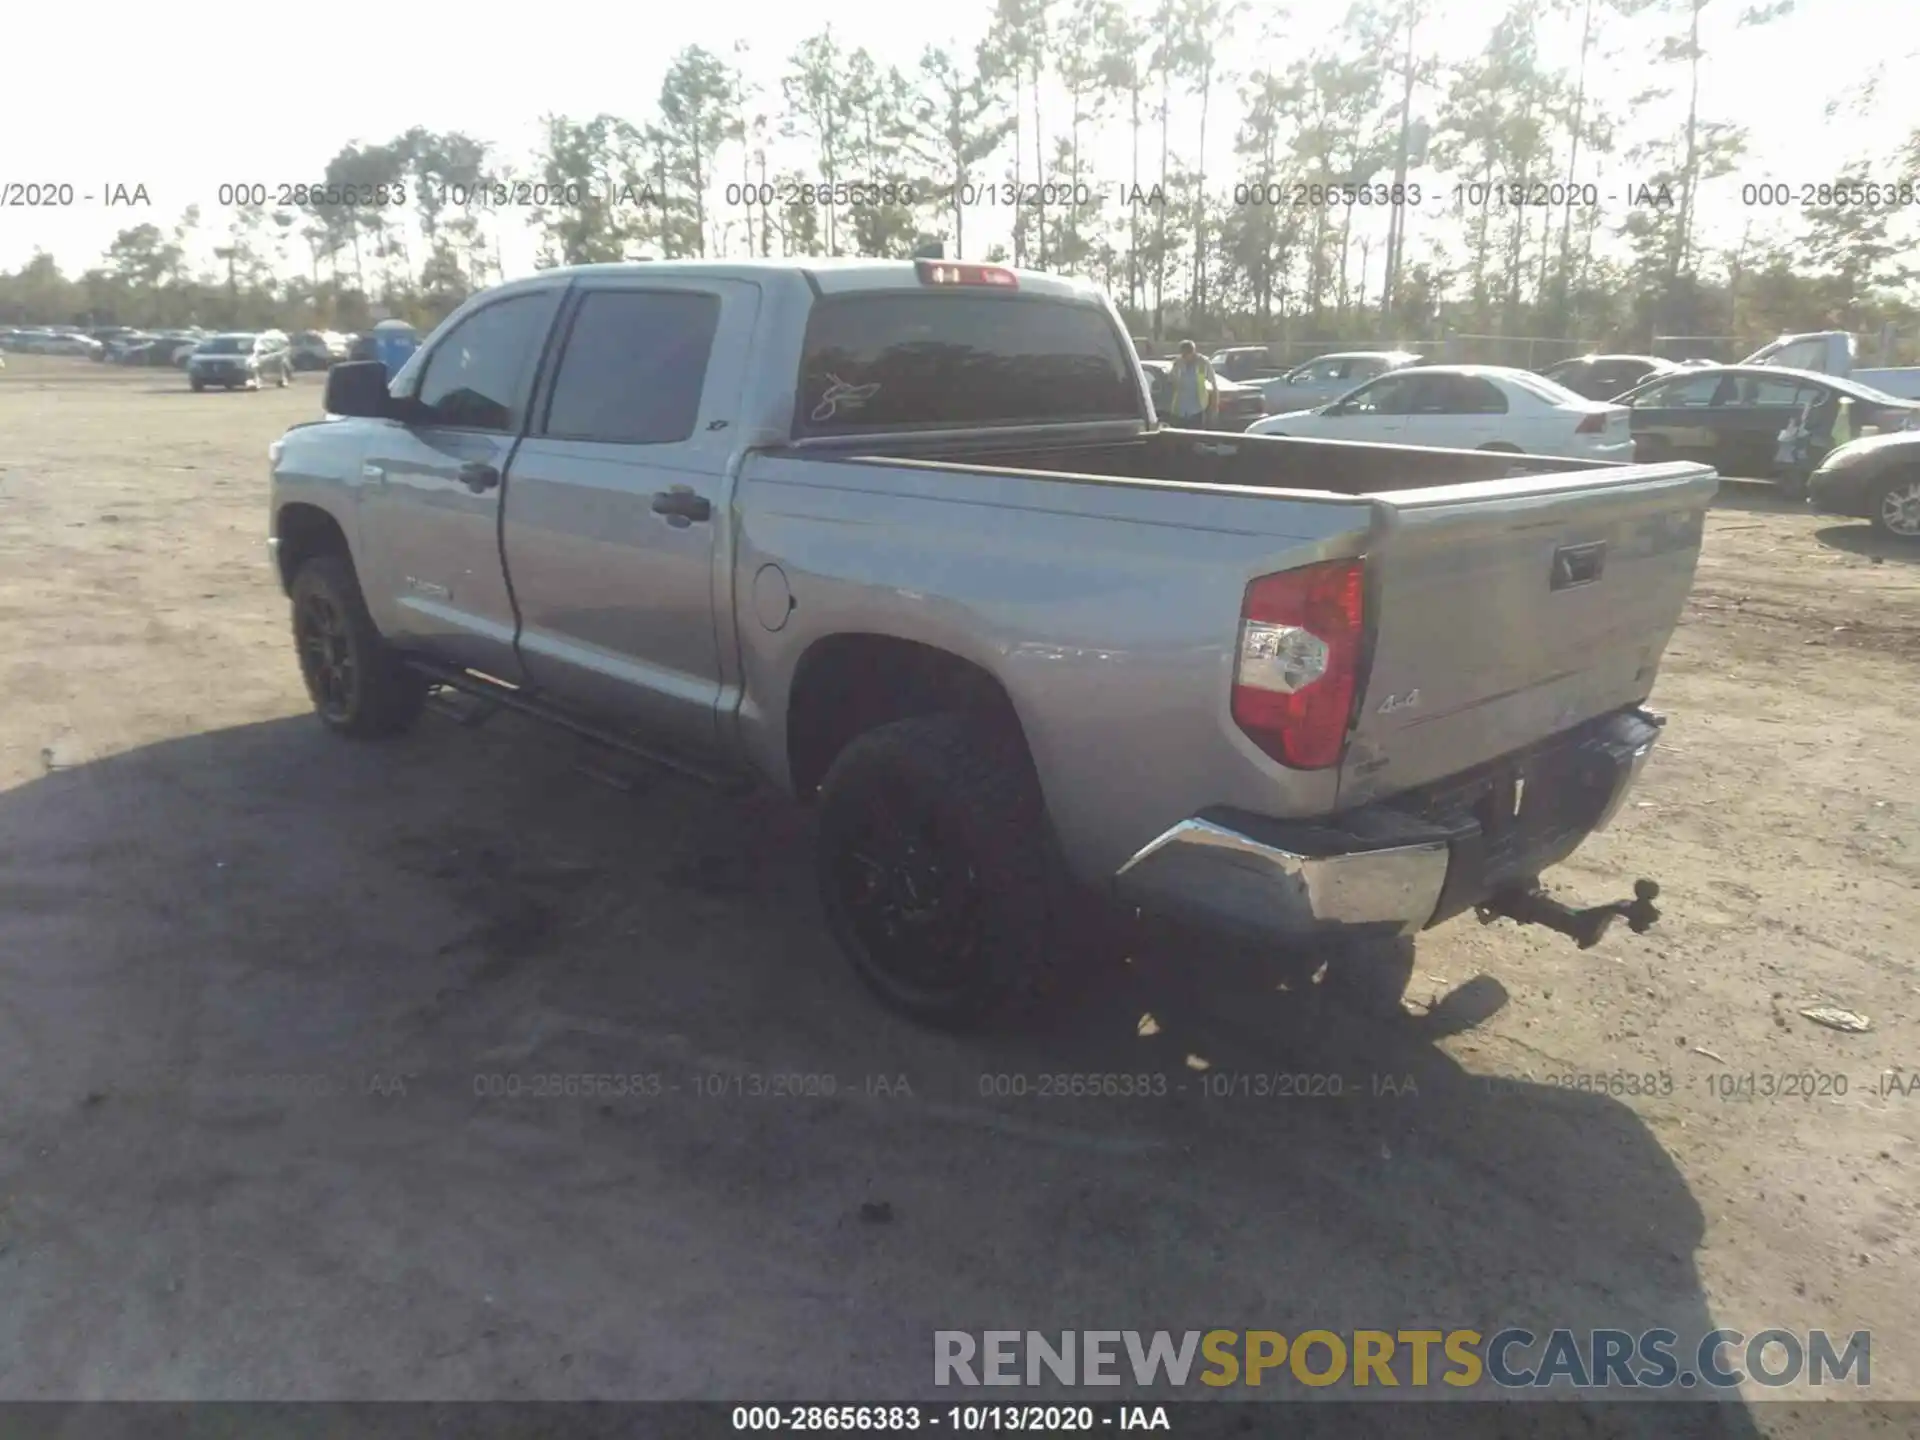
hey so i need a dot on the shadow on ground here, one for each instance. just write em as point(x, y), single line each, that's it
point(1863, 539)
point(286, 1026)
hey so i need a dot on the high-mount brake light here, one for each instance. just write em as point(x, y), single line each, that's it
point(955, 272)
point(1299, 662)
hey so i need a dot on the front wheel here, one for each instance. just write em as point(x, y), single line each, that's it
point(935, 871)
point(358, 685)
point(1895, 508)
point(198, 386)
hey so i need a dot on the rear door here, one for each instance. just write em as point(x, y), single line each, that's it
point(1749, 430)
point(615, 510)
point(1457, 412)
point(430, 490)
point(1508, 611)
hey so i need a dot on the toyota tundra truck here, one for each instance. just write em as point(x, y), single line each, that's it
point(906, 541)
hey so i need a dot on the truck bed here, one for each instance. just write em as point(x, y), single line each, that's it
point(1509, 598)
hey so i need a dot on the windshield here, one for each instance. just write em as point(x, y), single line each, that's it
point(914, 360)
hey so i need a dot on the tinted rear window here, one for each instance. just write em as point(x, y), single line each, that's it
point(940, 361)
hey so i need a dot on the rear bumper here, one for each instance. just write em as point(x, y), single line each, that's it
point(1403, 865)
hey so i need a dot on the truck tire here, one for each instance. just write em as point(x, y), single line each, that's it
point(936, 872)
point(357, 682)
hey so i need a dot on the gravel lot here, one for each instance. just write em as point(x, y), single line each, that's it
point(253, 978)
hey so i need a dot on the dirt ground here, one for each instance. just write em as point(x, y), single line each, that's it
point(254, 981)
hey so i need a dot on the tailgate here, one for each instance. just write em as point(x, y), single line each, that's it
point(1507, 611)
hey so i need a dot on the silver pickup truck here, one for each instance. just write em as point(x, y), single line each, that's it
point(906, 540)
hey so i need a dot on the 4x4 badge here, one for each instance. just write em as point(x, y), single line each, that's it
point(1399, 702)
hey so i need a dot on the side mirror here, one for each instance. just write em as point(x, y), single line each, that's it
point(358, 387)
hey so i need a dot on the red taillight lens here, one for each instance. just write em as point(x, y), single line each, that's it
point(1299, 662)
point(953, 272)
point(1594, 424)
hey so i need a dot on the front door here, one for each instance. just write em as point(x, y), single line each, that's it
point(616, 509)
point(430, 489)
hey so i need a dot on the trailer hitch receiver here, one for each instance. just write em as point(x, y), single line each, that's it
point(1530, 905)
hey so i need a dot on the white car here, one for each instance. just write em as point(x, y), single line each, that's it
point(1467, 407)
point(67, 345)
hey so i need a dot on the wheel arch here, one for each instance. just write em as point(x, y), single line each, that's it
point(849, 683)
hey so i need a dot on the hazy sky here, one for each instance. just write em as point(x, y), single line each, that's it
point(181, 101)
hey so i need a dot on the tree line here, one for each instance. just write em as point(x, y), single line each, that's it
point(1311, 235)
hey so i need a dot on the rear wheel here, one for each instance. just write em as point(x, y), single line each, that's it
point(936, 873)
point(1895, 508)
point(198, 386)
point(357, 682)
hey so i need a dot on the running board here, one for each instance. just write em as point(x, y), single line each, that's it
point(492, 697)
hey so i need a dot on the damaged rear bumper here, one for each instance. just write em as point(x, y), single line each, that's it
point(1402, 865)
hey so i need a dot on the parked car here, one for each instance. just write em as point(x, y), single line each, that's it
point(241, 360)
point(84, 346)
point(1468, 407)
point(1607, 377)
point(1328, 377)
point(1239, 405)
point(955, 611)
point(1731, 416)
point(1248, 364)
point(317, 349)
point(1876, 478)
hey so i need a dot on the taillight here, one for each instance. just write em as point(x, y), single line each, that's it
point(951, 272)
point(1592, 424)
point(1299, 662)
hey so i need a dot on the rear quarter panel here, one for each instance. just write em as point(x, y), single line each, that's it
point(1109, 613)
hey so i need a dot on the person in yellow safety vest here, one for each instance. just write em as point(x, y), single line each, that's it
point(1196, 396)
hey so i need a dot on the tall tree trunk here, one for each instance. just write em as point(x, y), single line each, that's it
point(1573, 155)
point(1199, 287)
point(1133, 210)
point(1397, 216)
point(1683, 229)
point(1160, 210)
point(1039, 162)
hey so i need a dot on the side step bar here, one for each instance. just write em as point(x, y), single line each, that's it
point(488, 698)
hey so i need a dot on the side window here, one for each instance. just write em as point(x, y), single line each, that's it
point(1366, 369)
point(1474, 395)
point(634, 366)
point(476, 377)
point(1383, 397)
point(1773, 394)
point(1694, 392)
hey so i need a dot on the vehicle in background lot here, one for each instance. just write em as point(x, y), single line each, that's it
point(1248, 364)
point(903, 538)
point(1468, 407)
point(1876, 478)
point(1328, 377)
point(243, 359)
point(110, 338)
point(67, 344)
point(1832, 352)
point(1607, 377)
point(1239, 405)
point(1731, 416)
point(317, 349)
